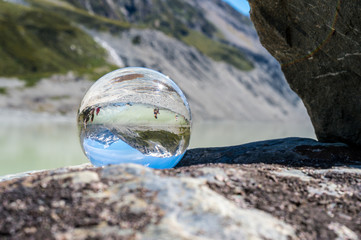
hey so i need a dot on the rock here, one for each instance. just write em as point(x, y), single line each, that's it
point(265, 199)
point(318, 45)
point(293, 152)
point(128, 201)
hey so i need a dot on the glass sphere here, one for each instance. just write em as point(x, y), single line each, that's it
point(134, 115)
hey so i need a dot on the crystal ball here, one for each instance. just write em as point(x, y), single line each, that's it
point(134, 115)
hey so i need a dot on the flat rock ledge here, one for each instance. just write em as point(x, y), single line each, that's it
point(278, 189)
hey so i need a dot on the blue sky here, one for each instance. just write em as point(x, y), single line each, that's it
point(240, 5)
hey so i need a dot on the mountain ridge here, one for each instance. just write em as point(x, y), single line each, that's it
point(224, 71)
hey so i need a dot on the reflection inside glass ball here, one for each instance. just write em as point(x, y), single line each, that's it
point(134, 115)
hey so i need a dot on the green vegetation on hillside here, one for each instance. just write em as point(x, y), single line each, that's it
point(217, 51)
point(3, 90)
point(78, 15)
point(43, 39)
point(177, 19)
point(35, 43)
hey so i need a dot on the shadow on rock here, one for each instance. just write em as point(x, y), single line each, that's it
point(293, 152)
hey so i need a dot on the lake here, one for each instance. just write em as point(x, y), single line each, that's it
point(31, 143)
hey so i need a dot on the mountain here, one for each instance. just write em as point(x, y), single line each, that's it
point(209, 49)
point(161, 141)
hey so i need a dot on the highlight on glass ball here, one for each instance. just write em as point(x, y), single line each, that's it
point(134, 115)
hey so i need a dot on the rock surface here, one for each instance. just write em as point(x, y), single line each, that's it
point(318, 45)
point(292, 152)
point(206, 201)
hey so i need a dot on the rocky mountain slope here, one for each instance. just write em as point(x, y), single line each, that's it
point(210, 50)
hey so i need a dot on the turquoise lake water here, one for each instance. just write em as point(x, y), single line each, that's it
point(27, 145)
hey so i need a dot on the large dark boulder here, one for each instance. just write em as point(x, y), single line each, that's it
point(318, 44)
